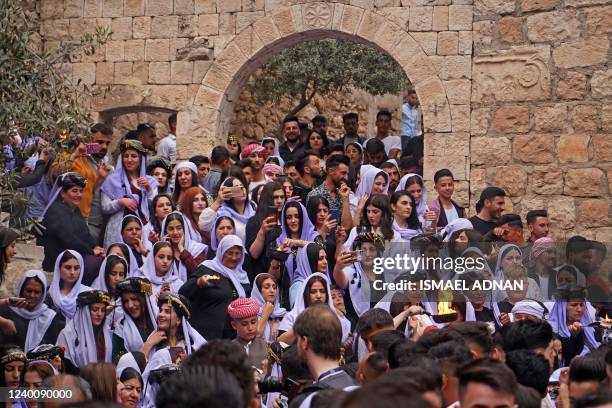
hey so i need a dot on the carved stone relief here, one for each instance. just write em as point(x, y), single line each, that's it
point(317, 15)
point(519, 74)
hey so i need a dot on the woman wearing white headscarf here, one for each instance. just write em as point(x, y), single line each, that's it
point(66, 284)
point(186, 176)
point(214, 285)
point(112, 271)
point(159, 268)
point(414, 184)
point(372, 180)
point(271, 144)
point(127, 190)
point(134, 234)
point(315, 289)
point(86, 339)
point(165, 357)
point(35, 322)
point(265, 292)
point(239, 208)
point(187, 252)
point(310, 259)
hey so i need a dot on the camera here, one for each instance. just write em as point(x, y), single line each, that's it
point(162, 373)
point(270, 384)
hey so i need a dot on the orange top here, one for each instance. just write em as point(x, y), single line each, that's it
point(82, 166)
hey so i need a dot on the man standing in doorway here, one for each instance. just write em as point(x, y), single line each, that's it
point(393, 144)
point(167, 146)
point(411, 130)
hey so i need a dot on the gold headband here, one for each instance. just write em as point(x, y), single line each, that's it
point(14, 356)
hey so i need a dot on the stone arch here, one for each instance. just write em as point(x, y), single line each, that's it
point(204, 122)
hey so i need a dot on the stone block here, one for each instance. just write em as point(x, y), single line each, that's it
point(164, 27)
point(208, 97)
point(437, 143)
point(73, 8)
point(84, 71)
point(458, 91)
point(183, 7)
point(534, 148)
point(208, 24)
point(157, 50)
point(465, 43)
point(105, 73)
point(177, 44)
point(512, 179)
point(532, 5)
point(140, 73)
point(594, 213)
point(583, 3)
point(122, 28)
point(134, 50)
point(370, 24)
point(546, 180)
point(248, 42)
point(51, 9)
point(123, 73)
point(598, 20)
point(205, 6)
point(188, 26)
point(418, 67)
point(606, 119)
point(573, 148)
point(585, 182)
point(492, 7)
point(460, 117)
point(479, 121)
point(583, 53)
point(112, 8)
point(232, 59)
point(245, 19)
point(553, 26)
point(92, 8)
point(217, 78)
point(585, 118)
point(456, 67)
point(200, 68)
point(78, 26)
point(141, 27)
point(284, 22)
point(440, 18)
point(133, 8)
point(55, 29)
point(181, 72)
point(421, 18)
point(158, 7)
point(114, 50)
point(511, 119)
point(602, 147)
point(519, 74)
point(460, 17)
point(484, 33)
point(571, 86)
point(398, 15)
point(511, 30)
point(266, 30)
point(170, 96)
point(159, 72)
point(227, 23)
point(601, 84)
point(253, 5)
point(448, 43)
point(490, 151)
point(550, 118)
point(229, 6)
point(562, 212)
point(427, 40)
point(458, 165)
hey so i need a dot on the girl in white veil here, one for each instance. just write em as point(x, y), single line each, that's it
point(66, 284)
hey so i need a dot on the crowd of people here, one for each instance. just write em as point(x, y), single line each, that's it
point(252, 276)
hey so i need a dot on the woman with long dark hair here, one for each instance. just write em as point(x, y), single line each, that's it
point(86, 338)
point(186, 177)
point(66, 284)
point(161, 171)
point(113, 270)
point(415, 185)
point(375, 219)
point(317, 141)
point(127, 190)
point(265, 292)
point(188, 253)
point(160, 208)
point(160, 270)
point(405, 219)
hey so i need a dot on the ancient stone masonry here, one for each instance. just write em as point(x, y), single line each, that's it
point(513, 92)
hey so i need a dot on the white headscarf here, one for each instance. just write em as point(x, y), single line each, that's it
point(100, 282)
point(193, 247)
point(456, 225)
point(159, 358)
point(171, 276)
point(145, 240)
point(287, 323)
point(186, 165)
point(80, 342)
point(367, 175)
point(278, 311)
point(40, 318)
point(530, 307)
point(127, 329)
point(422, 204)
point(67, 304)
point(499, 275)
point(237, 275)
point(249, 208)
point(125, 361)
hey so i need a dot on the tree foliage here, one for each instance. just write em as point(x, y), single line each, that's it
point(36, 95)
point(324, 67)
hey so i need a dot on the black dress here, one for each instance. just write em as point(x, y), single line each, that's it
point(209, 304)
point(21, 324)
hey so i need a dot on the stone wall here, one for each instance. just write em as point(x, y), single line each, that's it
point(542, 109)
point(514, 92)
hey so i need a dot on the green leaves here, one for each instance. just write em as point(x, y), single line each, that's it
point(326, 67)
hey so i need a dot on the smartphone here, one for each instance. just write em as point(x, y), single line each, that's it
point(92, 148)
point(14, 300)
point(272, 212)
point(237, 191)
point(359, 255)
point(335, 214)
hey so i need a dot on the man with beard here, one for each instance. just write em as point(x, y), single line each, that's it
point(146, 135)
point(336, 190)
point(255, 154)
point(310, 170)
point(292, 148)
point(490, 207)
point(350, 121)
point(394, 176)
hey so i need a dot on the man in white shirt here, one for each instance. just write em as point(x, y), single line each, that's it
point(393, 144)
point(167, 146)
